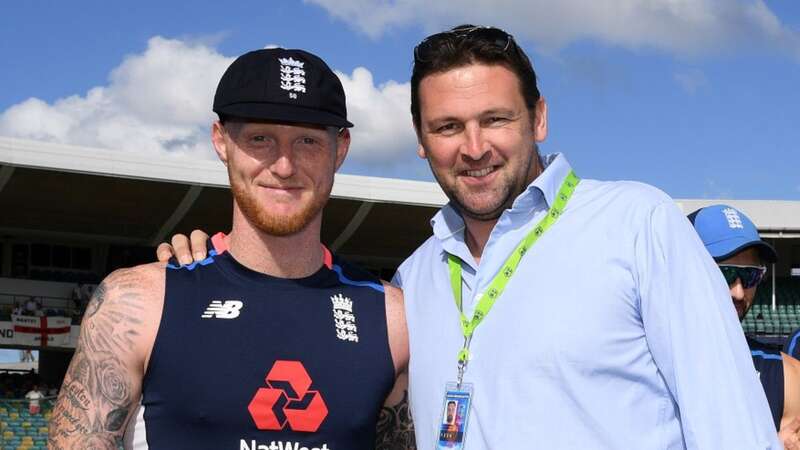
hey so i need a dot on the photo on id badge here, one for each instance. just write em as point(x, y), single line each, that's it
point(454, 418)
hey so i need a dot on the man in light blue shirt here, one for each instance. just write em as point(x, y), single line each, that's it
point(614, 332)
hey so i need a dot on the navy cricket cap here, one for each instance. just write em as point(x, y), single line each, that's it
point(726, 231)
point(282, 85)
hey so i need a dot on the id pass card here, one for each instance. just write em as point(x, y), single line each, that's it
point(455, 415)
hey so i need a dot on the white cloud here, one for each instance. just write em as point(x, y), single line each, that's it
point(159, 102)
point(155, 102)
point(691, 80)
point(381, 117)
point(678, 26)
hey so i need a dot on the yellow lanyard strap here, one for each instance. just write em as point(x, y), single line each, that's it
point(501, 279)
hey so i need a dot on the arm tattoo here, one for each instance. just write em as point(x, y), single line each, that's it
point(98, 297)
point(97, 395)
point(395, 430)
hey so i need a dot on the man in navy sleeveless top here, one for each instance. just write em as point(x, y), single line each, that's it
point(733, 241)
point(271, 342)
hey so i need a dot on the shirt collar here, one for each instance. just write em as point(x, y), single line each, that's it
point(547, 184)
point(448, 223)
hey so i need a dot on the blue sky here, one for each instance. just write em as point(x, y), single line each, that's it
point(698, 97)
point(12, 356)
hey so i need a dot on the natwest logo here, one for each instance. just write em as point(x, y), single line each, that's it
point(288, 400)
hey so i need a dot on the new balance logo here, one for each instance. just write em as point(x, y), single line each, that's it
point(229, 309)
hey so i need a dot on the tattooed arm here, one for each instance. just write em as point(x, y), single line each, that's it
point(395, 427)
point(395, 430)
point(103, 383)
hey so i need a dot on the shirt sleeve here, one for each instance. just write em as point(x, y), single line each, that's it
point(696, 339)
point(397, 279)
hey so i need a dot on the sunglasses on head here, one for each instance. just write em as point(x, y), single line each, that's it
point(750, 275)
point(497, 37)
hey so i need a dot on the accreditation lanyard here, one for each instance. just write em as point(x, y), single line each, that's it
point(501, 279)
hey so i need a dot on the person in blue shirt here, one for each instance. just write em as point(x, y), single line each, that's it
point(570, 314)
point(600, 337)
point(733, 241)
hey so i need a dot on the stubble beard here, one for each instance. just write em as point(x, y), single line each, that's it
point(508, 191)
point(460, 199)
point(276, 224)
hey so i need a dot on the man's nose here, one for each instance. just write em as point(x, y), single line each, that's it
point(284, 165)
point(737, 290)
point(475, 145)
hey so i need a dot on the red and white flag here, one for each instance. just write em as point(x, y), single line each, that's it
point(46, 331)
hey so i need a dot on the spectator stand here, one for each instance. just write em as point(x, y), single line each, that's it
point(44, 306)
point(19, 429)
point(772, 325)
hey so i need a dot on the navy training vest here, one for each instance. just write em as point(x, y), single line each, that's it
point(769, 365)
point(791, 346)
point(246, 361)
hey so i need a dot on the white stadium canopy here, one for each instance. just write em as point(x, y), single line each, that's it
point(88, 194)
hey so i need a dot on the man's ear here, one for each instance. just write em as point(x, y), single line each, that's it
point(342, 146)
point(540, 120)
point(420, 149)
point(219, 142)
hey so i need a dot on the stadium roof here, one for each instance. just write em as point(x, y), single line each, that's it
point(94, 195)
point(774, 218)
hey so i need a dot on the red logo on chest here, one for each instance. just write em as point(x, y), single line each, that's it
point(288, 400)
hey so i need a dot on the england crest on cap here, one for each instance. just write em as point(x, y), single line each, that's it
point(726, 231)
point(293, 76)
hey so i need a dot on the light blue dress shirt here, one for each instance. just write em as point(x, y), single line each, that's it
point(616, 332)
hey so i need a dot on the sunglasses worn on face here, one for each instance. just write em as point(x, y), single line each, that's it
point(750, 275)
point(495, 36)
